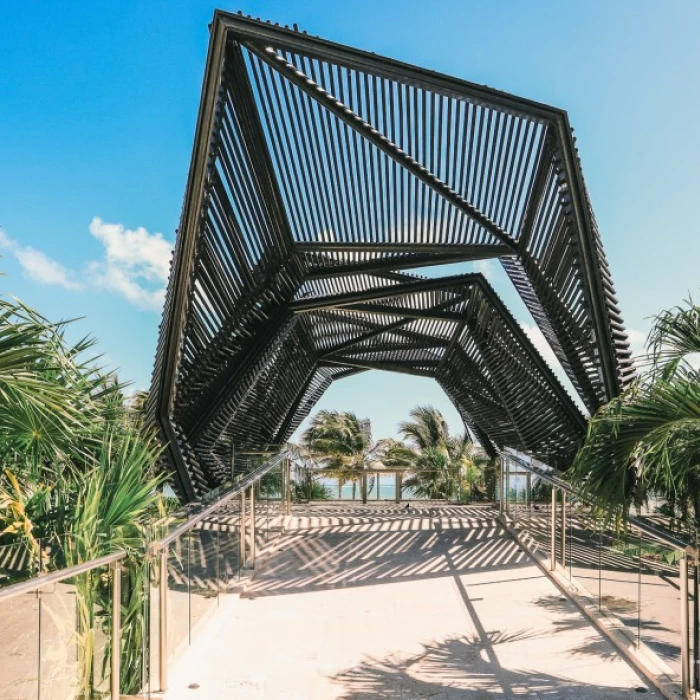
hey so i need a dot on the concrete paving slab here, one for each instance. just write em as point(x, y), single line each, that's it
point(373, 602)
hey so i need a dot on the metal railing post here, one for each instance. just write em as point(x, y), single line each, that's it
point(252, 526)
point(500, 484)
point(507, 489)
point(528, 491)
point(563, 529)
point(116, 627)
point(685, 628)
point(163, 620)
point(553, 532)
point(398, 487)
point(288, 487)
point(243, 550)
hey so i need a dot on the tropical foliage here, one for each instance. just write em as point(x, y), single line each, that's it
point(305, 484)
point(435, 463)
point(342, 445)
point(308, 488)
point(648, 439)
point(439, 465)
point(78, 477)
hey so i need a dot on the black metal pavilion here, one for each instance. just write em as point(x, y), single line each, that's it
point(320, 174)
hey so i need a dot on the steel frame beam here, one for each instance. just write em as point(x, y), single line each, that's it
point(396, 366)
point(464, 252)
point(388, 292)
point(392, 264)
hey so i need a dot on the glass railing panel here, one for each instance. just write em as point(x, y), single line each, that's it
point(204, 571)
point(135, 628)
point(272, 517)
point(691, 615)
point(569, 559)
point(584, 550)
point(261, 535)
point(102, 647)
point(542, 506)
point(229, 539)
point(178, 595)
point(19, 647)
point(271, 484)
point(75, 628)
point(332, 486)
point(265, 518)
point(66, 646)
point(154, 623)
point(619, 568)
point(560, 534)
point(660, 590)
point(247, 533)
point(277, 510)
point(532, 514)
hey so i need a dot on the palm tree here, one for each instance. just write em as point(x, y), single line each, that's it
point(440, 465)
point(304, 484)
point(648, 439)
point(137, 404)
point(342, 445)
point(77, 472)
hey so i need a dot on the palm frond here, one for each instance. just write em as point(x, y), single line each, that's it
point(648, 438)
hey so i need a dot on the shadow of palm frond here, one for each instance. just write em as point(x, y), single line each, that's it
point(624, 608)
point(459, 667)
point(569, 617)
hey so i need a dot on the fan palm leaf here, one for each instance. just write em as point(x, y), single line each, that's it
point(648, 438)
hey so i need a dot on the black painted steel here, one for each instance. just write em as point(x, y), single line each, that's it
point(319, 174)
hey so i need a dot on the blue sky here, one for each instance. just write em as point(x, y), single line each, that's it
point(98, 103)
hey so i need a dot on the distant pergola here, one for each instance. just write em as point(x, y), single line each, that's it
point(320, 173)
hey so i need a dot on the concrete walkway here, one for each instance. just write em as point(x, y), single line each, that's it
point(370, 603)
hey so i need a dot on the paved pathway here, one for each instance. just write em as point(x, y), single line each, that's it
point(370, 603)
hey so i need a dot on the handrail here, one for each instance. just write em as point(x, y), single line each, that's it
point(38, 582)
point(654, 532)
point(244, 483)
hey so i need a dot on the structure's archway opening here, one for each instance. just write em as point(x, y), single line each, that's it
point(385, 398)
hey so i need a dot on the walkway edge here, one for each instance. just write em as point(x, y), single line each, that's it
point(641, 658)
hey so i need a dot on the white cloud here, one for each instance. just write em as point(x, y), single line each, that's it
point(637, 342)
point(135, 266)
point(123, 283)
point(39, 266)
point(146, 254)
